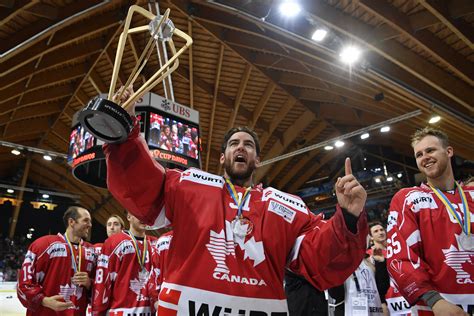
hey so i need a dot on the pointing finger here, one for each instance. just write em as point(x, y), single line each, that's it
point(348, 166)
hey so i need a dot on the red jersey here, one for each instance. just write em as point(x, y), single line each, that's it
point(424, 252)
point(120, 282)
point(213, 269)
point(47, 271)
point(159, 258)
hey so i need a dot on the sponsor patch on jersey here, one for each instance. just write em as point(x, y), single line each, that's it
point(201, 177)
point(421, 200)
point(29, 257)
point(125, 247)
point(281, 210)
point(163, 243)
point(392, 220)
point(57, 250)
point(284, 198)
point(103, 261)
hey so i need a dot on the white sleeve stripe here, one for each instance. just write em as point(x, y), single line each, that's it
point(413, 238)
point(296, 248)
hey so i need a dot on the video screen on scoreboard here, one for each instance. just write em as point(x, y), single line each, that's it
point(79, 141)
point(174, 135)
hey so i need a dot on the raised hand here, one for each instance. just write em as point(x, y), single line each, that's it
point(444, 308)
point(350, 194)
point(122, 95)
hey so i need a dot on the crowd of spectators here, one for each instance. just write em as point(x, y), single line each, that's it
point(12, 254)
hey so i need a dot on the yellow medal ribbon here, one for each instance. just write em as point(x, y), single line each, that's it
point(140, 256)
point(466, 227)
point(76, 265)
point(233, 193)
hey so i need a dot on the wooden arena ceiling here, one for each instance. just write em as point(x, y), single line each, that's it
point(247, 66)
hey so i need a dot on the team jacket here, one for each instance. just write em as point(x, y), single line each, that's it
point(212, 271)
point(47, 271)
point(119, 288)
point(159, 258)
point(423, 251)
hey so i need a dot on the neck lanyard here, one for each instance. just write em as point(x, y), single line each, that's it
point(76, 265)
point(234, 196)
point(140, 256)
point(466, 227)
point(356, 281)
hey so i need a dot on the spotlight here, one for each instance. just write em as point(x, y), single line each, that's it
point(377, 180)
point(289, 8)
point(10, 191)
point(47, 157)
point(364, 136)
point(350, 55)
point(45, 196)
point(385, 129)
point(319, 35)
point(399, 175)
point(16, 152)
point(328, 147)
point(339, 143)
point(434, 119)
point(389, 179)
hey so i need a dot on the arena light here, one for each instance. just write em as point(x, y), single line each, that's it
point(350, 55)
point(389, 179)
point(45, 196)
point(364, 136)
point(319, 35)
point(385, 129)
point(434, 119)
point(377, 180)
point(47, 157)
point(289, 8)
point(16, 152)
point(10, 191)
point(399, 175)
point(328, 147)
point(339, 143)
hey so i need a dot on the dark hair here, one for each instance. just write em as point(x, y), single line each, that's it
point(430, 131)
point(71, 212)
point(244, 129)
point(372, 224)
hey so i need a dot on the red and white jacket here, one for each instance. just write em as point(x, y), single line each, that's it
point(423, 250)
point(119, 287)
point(159, 260)
point(212, 270)
point(47, 271)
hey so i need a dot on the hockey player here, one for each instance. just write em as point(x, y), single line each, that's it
point(430, 244)
point(123, 270)
point(56, 275)
point(232, 239)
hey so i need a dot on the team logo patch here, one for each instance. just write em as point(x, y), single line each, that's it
point(283, 211)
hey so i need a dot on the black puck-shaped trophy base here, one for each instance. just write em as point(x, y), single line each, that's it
point(106, 121)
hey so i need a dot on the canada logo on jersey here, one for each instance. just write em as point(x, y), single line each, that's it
point(461, 261)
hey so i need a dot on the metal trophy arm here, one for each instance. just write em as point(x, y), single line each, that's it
point(104, 118)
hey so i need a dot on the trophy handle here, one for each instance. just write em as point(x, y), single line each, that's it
point(164, 71)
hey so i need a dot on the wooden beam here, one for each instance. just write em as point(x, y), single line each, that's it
point(240, 94)
point(191, 67)
point(8, 14)
point(44, 11)
point(442, 13)
point(279, 166)
point(214, 102)
point(262, 103)
point(424, 38)
point(97, 82)
point(393, 51)
point(277, 120)
point(288, 137)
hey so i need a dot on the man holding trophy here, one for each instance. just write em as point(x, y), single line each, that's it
point(232, 238)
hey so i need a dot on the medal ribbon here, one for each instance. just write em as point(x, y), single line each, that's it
point(466, 227)
point(234, 195)
point(76, 265)
point(140, 256)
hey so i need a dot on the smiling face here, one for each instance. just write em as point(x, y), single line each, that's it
point(80, 227)
point(240, 158)
point(432, 158)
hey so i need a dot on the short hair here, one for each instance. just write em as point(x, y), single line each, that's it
point(372, 224)
point(71, 212)
point(244, 129)
point(430, 131)
point(120, 220)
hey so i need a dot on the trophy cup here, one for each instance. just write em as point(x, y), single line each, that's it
point(108, 119)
